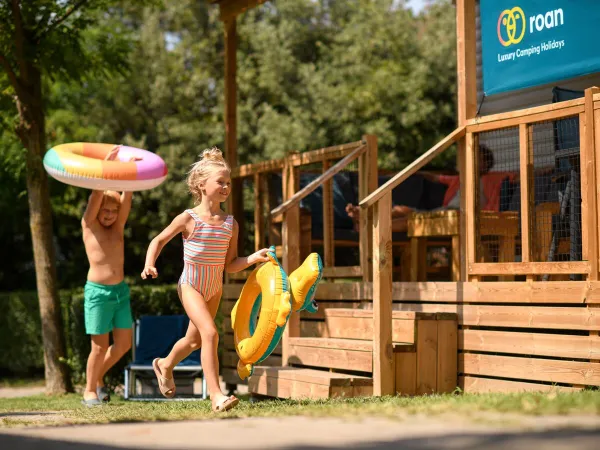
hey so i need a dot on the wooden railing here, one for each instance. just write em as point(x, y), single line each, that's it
point(381, 201)
point(413, 168)
point(365, 150)
point(288, 213)
point(324, 178)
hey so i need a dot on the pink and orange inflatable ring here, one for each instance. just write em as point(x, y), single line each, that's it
point(82, 164)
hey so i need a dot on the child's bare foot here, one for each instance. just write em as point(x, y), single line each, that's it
point(222, 403)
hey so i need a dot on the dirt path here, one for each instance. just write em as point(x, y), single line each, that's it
point(302, 433)
point(12, 392)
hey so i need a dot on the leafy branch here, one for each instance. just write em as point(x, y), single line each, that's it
point(62, 18)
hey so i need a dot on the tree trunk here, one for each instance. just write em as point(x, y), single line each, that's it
point(31, 131)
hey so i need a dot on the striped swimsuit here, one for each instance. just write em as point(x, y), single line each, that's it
point(204, 253)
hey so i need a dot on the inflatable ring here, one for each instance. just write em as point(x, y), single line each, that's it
point(256, 335)
point(82, 164)
point(265, 303)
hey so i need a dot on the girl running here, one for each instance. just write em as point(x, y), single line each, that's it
point(209, 247)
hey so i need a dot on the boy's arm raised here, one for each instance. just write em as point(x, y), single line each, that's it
point(157, 244)
point(95, 200)
point(234, 263)
point(92, 209)
point(124, 209)
point(126, 197)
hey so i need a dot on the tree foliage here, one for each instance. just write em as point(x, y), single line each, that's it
point(310, 74)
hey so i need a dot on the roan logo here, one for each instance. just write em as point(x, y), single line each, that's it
point(551, 19)
point(512, 24)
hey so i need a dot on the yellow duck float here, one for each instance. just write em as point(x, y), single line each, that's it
point(267, 299)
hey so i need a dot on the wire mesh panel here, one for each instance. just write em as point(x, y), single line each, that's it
point(556, 184)
point(497, 196)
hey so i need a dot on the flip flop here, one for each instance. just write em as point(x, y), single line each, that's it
point(103, 394)
point(226, 404)
point(166, 385)
point(91, 402)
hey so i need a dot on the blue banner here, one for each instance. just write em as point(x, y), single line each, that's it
point(531, 42)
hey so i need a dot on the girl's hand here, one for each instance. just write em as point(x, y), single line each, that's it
point(149, 271)
point(259, 256)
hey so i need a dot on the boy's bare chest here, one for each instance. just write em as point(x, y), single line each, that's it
point(100, 239)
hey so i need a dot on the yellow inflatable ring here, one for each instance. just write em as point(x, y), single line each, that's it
point(264, 306)
point(267, 291)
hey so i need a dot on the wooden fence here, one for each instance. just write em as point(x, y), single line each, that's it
point(519, 335)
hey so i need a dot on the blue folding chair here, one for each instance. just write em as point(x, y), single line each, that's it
point(153, 337)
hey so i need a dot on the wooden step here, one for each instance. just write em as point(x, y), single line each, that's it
point(293, 382)
point(358, 323)
point(334, 353)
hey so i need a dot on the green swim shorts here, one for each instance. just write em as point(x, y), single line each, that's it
point(106, 307)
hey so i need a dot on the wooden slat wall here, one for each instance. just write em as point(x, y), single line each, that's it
point(229, 358)
point(513, 336)
point(545, 332)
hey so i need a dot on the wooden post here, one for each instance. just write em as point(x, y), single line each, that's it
point(230, 91)
point(589, 182)
point(455, 263)
point(597, 170)
point(466, 43)
point(272, 202)
point(291, 248)
point(592, 158)
point(466, 46)
point(367, 183)
point(259, 227)
point(266, 203)
point(418, 258)
point(383, 357)
point(527, 204)
point(235, 203)
point(472, 196)
point(584, 185)
point(328, 247)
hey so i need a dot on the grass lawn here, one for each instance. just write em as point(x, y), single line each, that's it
point(68, 410)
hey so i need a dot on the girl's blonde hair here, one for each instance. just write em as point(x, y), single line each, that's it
point(211, 159)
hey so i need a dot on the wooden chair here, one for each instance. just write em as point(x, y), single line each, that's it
point(425, 225)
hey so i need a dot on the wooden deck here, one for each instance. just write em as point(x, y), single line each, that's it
point(505, 336)
point(337, 344)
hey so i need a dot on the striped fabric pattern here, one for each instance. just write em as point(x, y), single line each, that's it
point(204, 253)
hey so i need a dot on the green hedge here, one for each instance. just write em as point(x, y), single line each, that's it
point(21, 352)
